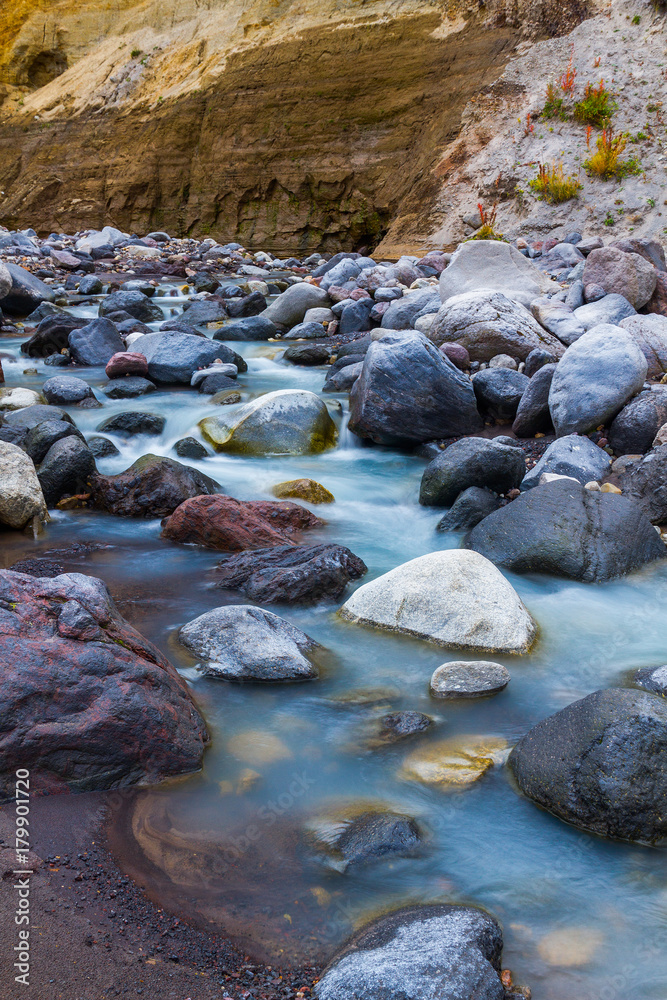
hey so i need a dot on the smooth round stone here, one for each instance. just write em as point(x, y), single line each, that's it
point(502, 361)
point(102, 447)
point(457, 354)
point(303, 489)
point(128, 387)
point(468, 679)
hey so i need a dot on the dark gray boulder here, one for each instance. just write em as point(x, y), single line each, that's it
point(26, 293)
point(408, 393)
point(152, 487)
point(174, 357)
point(570, 456)
point(246, 305)
point(469, 508)
point(66, 469)
point(96, 343)
point(64, 390)
point(290, 573)
point(37, 440)
point(537, 359)
point(52, 336)
point(472, 461)
point(199, 313)
point(368, 837)
point(128, 387)
point(190, 447)
point(440, 952)
point(306, 331)
point(102, 447)
point(247, 328)
point(135, 303)
point(30, 416)
point(307, 354)
point(133, 422)
point(356, 316)
point(563, 529)
point(634, 428)
point(402, 313)
point(601, 764)
point(533, 415)
point(646, 483)
point(499, 391)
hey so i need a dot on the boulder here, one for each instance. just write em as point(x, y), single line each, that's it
point(650, 333)
point(408, 393)
point(291, 305)
point(610, 308)
point(18, 398)
point(487, 323)
point(471, 462)
point(66, 469)
point(594, 379)
point(493, 265)
point(29, 416)
point(247, 328)
point(133, 422)
point(469, 508)
point(221, 522)
point(558, 318)
point(537, 359)
point(565, 530)
point(151, 487)
point(437, 952)
point(634, 428)
point(307, 354)
point(174, 357)
point(37, 440)
point(126, 363)
point(96, 343)
point(243, 306)
point(399, 725)
point(649, 249)
point(468, 679)
point(356, 317)
point(52, 336)
point(128, 387)
point(5, 281)
point(570, 456)
point(303, 489)
point(65, 390)
point(244, 643)
point(601, 765)
point(87, 703)
point(348, 838)
point(343, 379)
point(21, 497)
point(455, 598)
point(26, 292)
point(498, 392)
point(138, 305)
point(190, 447)
point(284, 422)
point(533, 415)
point(619, 273)
point(646, 483)
point(203, 311)
point(652, 679)
point(102, 447)
point(291, 574)
point(402, 313)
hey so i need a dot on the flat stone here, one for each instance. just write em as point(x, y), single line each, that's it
point(468, 679)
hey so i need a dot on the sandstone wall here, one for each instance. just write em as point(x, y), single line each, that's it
point(289, 125)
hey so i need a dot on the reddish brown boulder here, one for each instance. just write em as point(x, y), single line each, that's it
point(127, 363)
point(658, 301)
point(85, 701)
point(221, 522)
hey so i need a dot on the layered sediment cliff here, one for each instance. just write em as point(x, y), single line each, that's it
point(281, 123)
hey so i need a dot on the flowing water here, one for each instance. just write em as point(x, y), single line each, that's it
point(582, 917)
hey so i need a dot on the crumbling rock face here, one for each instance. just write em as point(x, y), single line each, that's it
point(294, 129)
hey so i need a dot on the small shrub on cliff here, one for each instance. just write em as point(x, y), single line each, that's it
point(554, 106)
point(606, 162)
point(487, 230)
point(552, 184)
point(596, 106)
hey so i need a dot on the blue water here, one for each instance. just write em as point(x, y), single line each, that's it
point(484, 843)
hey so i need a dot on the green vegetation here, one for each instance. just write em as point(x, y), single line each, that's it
point(487, 230)
point(135, 53)
point(554, 106)
point(606, 162)
point(596, 106)
point(552, 184)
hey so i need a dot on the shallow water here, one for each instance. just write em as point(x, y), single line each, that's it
point(233, 854)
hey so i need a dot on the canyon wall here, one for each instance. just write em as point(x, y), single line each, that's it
point(285, 124)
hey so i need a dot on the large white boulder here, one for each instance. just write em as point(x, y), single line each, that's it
point(456, 598)
point(492, 264)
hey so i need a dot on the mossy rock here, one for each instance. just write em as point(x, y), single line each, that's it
point(286, 422)
point(303, 489)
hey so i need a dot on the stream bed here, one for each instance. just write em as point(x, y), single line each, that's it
point(233, 847)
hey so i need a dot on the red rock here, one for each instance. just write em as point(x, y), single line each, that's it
point(359, 293)
point(86, 702)
point(458, 354)
point(127, 363)
point(337, 293)
point(221, 522)
point(66, 260)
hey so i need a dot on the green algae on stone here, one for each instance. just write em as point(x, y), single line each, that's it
point(288, 421)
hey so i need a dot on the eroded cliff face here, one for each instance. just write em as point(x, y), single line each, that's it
point(285, 124)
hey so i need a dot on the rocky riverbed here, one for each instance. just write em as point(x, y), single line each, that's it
point(430, 491)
